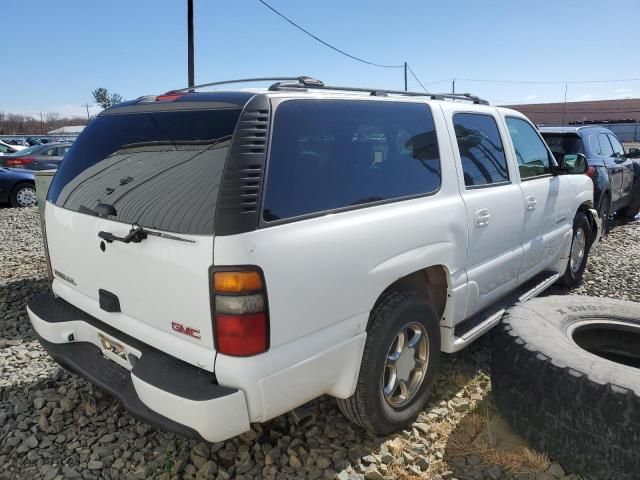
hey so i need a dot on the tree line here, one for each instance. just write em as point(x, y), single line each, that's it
point(16, 123)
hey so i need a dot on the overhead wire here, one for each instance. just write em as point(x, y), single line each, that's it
point(327, 44)
point(339, 50)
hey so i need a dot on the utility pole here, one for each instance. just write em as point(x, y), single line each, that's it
point(86, 105)
point(564, 106)
point(453, 86)
point(190, 43)
point(41, 124)
point(405, 76)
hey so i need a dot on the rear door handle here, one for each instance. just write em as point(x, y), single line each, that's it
point(531, 202)
point(482, 217)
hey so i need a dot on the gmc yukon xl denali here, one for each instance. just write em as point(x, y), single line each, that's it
point(220, 258)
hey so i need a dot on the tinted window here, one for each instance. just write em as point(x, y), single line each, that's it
point(605, 146)
point(617, 146)
point(329, 154)
point(531, 151)
point(561, 144)
point(481, 150)
point(160, 170)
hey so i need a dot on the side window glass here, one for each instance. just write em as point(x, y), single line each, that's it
point(617, 146)
point(531, 152)
point(481, 150)
point(333, 154)
point(594, 143)
point(605, 146)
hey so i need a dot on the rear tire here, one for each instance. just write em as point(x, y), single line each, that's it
point(23, 195)
point(604, 211)
point(580, 245)
point(633, 209)
point(383, 401)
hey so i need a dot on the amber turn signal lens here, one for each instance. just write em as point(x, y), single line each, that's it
point(234, 282)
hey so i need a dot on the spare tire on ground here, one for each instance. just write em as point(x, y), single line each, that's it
point(565, 374)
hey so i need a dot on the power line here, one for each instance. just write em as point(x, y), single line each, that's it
point(549, 82)
point(417, 79)
point(353, 57)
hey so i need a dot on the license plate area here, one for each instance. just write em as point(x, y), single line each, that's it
point(115, 351)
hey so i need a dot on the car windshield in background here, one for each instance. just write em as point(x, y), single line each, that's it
point(159, 170)
point(563, 143)
point(332, 154)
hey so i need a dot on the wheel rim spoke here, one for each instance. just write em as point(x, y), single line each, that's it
point(405, 365)
point(392, 381)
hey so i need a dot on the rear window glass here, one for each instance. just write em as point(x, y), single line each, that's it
point(563, 144)
point(159, 170)
point(331, 154)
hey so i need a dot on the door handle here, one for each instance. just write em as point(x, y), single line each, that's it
point(482, 217)
point(531, 202)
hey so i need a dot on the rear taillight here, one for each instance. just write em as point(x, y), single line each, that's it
point(19, 161)
point(240, 313)
point(590, 171)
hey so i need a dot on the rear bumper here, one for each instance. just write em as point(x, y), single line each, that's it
point(158, 389)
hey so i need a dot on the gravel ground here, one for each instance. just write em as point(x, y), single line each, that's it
point(54, 425)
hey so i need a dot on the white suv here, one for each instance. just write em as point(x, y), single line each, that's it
point(221, 258)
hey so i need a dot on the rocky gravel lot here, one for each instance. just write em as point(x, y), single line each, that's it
point(54, 425)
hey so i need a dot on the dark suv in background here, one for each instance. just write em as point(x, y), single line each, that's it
point(615, 174)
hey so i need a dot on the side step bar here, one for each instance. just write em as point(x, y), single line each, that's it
point(476, 326)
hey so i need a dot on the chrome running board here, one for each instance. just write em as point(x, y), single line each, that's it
point(476, 326)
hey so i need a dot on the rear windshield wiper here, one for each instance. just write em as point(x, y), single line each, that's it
point(137, 234)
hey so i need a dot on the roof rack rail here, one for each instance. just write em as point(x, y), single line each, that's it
point(303, 81)
point(377, 91)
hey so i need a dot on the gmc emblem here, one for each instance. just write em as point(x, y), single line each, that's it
point(189, 331)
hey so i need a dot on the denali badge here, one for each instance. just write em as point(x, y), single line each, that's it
point(189, 331)
point(64, 277)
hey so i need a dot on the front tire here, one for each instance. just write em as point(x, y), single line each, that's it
point(23, 195)
point(580, 245)
point(399, 363)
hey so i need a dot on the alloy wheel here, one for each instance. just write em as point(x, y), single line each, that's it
point(406, 365)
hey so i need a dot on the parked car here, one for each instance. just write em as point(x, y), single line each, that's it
point(17, 187)
point(615, 174)
point(7, 149)
point(222, 258)
point(38, 157)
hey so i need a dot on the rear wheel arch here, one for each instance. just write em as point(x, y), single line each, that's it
point(432, 283)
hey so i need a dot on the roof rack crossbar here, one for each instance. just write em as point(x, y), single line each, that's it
point(379, 92)
point(302, 81)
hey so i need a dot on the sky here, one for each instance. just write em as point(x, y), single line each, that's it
point(54, 53)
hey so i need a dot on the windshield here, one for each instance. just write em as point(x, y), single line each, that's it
point(159, 170)
point(563, 143)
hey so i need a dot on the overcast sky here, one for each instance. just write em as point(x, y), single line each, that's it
point(55, 53)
